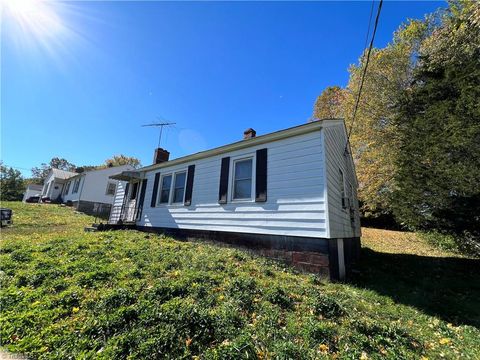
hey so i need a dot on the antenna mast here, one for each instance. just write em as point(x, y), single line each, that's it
point(161, 126)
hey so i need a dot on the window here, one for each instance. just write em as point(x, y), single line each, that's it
point(67, 188)
point(242, 179)
point(179, 187)
point(76, 184)
point(172, 194)
point(165, 189)
point(133, 192)
point(111, 189)
point(342, 188)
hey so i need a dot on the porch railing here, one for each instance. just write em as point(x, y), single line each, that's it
point(124, 214)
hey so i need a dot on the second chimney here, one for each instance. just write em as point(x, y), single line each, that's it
point(249, 133)
point(160, 155)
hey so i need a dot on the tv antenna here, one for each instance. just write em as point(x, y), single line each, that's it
point(161, 126)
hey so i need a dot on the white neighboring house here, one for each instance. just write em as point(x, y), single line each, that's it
point(54, 184)
point(290, 194)
point(32, 190)
point(92, 192)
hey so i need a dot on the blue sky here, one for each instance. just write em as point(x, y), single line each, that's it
point(80, 84)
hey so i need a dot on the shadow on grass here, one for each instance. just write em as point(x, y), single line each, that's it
point(445, 287)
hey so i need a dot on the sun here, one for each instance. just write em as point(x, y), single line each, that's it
point(34, 17)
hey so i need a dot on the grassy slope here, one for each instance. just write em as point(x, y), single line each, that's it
point(129, 294)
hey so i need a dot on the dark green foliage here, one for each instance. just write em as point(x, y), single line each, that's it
point(12, 185)
point(439, 131)
point(326, 306)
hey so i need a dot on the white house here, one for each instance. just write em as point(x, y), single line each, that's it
point(92, 192)
point(54, 183)
point(290, 194)
point(31, 191)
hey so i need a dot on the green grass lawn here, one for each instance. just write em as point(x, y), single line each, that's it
point(126, 294)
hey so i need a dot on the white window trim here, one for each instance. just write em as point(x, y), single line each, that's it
point(170, 202)
point(231, 175)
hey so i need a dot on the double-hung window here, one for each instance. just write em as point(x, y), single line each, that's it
point(341, 180)
point(165, 189)
point(242, 179)
point(67, 188)
point(179, 187)
point(172, 188)
point(76, 184)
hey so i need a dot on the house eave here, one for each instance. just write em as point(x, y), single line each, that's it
point(126, 176)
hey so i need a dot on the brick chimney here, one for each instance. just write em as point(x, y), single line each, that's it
point(160, 156)
point(249, 133)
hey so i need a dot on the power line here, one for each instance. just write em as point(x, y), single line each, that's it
point(365, 69)
point(16, 167)
point(369, 24)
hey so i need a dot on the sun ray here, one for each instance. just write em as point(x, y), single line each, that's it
point(40, 25)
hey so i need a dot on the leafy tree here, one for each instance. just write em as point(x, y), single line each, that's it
point(438, 127)
point(12, 185)
point(330, 104)
point(373, 139)
point(40, 173)
point(119, 160)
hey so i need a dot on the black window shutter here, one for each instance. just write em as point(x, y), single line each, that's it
point(223, 190)
point(155, 189)
point(189, 188)
point(261, 176)
point(142, 193)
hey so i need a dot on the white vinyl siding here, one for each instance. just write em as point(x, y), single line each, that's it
point(117, 202)
point(92, 185)
point(339, 205)
point(295, 187)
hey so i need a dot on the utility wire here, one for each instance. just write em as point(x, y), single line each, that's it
point(368, 29)
point(365, 69)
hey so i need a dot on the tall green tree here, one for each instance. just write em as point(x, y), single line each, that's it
point(12, 184)
point(373, 139)
point(118, 160)
point(330, 104)
point(438, 128)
